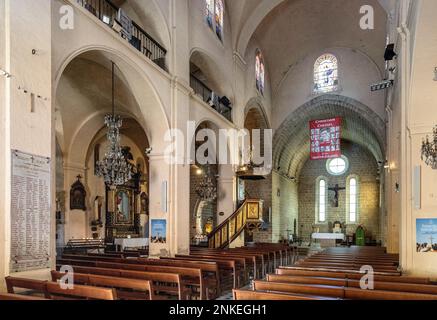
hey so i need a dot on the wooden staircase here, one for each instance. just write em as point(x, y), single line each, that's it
point(248, 215)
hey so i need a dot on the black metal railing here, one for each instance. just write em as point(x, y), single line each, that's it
point(219, 104)
point(107, 12)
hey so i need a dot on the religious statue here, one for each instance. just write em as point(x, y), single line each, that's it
point(122, 206)
point(336, 189)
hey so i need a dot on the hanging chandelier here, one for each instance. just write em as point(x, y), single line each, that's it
point(114, 168)
point(206, 189)
point(429, 150)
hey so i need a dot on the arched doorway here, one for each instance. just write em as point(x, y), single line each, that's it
point(203, 184)
point(83, 98)
point(255, 119)
point(309, 195)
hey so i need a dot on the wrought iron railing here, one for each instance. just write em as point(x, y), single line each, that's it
point(207, 96)
point(107, 12)
point(249, 214)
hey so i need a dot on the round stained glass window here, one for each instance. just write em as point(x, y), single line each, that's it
point(337, 166)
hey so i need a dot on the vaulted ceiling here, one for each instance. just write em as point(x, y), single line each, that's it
point(296, 28)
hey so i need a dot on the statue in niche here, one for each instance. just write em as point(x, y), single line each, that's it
point(78, 195)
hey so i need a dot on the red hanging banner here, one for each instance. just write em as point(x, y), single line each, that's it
point(325, 139)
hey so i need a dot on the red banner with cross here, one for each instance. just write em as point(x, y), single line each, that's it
point(325, 139)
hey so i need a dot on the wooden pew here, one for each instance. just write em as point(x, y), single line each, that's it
point(79, 292)
point(35, 286)
point(306, 289)
point(358, 294)
point(336, 270)
point(191, 277)
point(378, 285)
point(267, 296)
point(210, 270)
point(19, 297)
point(349, 275)
point(166, 283)
point(127, 289)
point(340, 292)
point(245, 265)
point(234, 265)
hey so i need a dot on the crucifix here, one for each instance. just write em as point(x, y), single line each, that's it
point(336, 189)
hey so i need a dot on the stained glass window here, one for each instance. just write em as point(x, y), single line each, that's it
point(219, 18)
point(209, 12)
point(322, 201)
point(259, 72)
point(326, 74)
point(353, 200)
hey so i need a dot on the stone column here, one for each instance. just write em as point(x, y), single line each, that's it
point(159, 201)
point(227, 191)
point(26, 108)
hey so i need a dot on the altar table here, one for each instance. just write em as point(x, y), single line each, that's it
point(131, 243)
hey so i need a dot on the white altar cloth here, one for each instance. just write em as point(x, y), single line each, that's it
point(131, 243)
point(328, 236)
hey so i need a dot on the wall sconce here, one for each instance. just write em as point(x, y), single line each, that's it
point(435, 74)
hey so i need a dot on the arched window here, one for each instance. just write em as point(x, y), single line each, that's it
point(352, 199)
point(219, 17)
point(214, 14)
point(209, 13)
point(259, 72)
point(321, 200)
point(326, 74)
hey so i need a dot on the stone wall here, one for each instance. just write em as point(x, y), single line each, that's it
point(361, 164)
point(284, 208)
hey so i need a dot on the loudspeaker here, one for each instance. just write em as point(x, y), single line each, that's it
point(390, 52)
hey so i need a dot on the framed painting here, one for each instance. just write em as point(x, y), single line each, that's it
point(123, 206)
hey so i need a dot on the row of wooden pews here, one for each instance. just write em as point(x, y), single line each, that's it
point(203, 275)
point(336, 274)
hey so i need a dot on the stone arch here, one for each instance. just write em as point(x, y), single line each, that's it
point(153, 121)
point(209, 64)
point(360, 125)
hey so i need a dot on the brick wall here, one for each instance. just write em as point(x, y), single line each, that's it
point(362, 164)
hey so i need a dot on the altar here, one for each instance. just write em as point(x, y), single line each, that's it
point(131, 243)
point(327, 240)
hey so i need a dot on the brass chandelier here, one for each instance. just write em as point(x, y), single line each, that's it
point(114, 168)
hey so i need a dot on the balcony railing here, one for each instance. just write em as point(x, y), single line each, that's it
point(219, 104)
point(107, 12)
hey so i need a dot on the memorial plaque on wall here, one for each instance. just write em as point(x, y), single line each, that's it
point(30, 212)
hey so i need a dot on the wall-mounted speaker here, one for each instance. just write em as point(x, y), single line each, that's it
point(390, 52)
